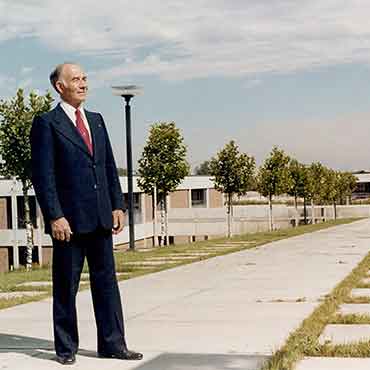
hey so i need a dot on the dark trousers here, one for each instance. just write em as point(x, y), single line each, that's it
point(68, 261)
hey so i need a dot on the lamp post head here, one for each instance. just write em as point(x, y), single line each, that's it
point(127, 91)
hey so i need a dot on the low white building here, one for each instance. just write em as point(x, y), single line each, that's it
point(194, 192)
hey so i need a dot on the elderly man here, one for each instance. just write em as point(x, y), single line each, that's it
point(76, 183)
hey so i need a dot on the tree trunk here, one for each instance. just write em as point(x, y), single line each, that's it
point(166, 220)
point(229, 216)
point(154, 208)
point(163, 220)
point(335, 210)
point(313, 212)
point(271, 225)
point(305, 210)
point(29, 228)
point(295, 202)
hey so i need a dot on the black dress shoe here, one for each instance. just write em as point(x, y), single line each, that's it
point(66, 360)
point(122, 355)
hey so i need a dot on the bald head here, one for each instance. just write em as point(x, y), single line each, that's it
point(70, 82)
point(55, 75)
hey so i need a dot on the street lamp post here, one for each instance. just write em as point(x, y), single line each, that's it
point(128, 92)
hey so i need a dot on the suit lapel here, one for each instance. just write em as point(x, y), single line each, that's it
point(64, 125)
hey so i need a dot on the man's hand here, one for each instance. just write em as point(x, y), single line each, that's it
point(118, 217)
point(60, 229)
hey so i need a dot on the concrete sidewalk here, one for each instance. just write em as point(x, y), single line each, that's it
point(228, 312)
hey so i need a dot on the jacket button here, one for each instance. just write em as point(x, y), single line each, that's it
point(95, 186)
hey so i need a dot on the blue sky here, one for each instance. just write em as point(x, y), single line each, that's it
point(279, 72)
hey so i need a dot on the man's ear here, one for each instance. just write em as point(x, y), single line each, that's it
point(59, 87)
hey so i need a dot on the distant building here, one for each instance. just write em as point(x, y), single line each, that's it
point(196, 211)
point(362, 190)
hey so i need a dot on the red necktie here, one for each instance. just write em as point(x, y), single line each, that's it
point(83, 131)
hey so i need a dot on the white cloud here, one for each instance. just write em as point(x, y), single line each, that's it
point(340, 142)
point(26, 70)
point(180, 39)
point(251, 83)
point(25, 83)
point(6, 82)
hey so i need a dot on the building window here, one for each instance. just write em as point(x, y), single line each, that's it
point(199, 198)
point(136, 201)
point(362, 190)
point(137, 207)
point(5, 213)
point(21, 214)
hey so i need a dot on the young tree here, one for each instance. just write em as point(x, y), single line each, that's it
point(163, 166)
point(300, 185)
point(274, 177)
point(233, 173)
point(317, 172)
point(329, 190)
point(15, 148)
point(346, 185)
point(298, 178)
point(305, 190)
point(203, 169)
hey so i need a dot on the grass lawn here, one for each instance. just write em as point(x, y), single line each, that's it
point(135, 263)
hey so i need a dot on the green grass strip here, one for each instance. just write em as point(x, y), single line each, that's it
point(351, 319)
point(359, 349)
point(304, 341)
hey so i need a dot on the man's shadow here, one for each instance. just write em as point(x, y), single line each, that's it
point(33, 347)
point(44, 349)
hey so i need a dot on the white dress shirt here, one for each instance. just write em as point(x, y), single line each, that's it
point(71, 113)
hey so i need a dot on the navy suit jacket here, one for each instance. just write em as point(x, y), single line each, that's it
point(70, 182)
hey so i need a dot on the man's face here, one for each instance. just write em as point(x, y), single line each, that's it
point(72, 85)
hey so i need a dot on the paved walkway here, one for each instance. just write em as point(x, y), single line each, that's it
point(228, 312)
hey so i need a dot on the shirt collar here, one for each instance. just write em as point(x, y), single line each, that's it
point(71, 109)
